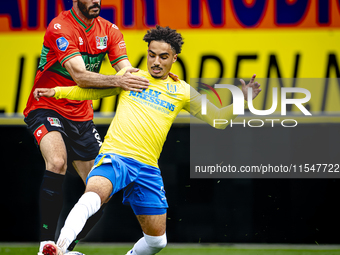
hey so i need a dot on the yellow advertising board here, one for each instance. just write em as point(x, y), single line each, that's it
point(308, 48)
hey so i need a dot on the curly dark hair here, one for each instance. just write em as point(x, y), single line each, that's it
point(167, 35)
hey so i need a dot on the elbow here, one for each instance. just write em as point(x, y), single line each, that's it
point(79, 79)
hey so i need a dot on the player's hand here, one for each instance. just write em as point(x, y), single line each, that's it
point(174, 76)
point(252, 84)
point(40, 92)
point(128, 81)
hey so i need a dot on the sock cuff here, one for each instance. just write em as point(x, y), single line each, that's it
point(53, 181)
point(53, 175)
point(87, 205)
point(156, 241)
point(92, 202)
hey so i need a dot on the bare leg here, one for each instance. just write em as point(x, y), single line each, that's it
point(154, 239)
point(100, 185)
point(153, 225)
point(53, 150)
point(83, 168)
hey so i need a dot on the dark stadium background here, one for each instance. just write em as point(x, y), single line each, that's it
point(201, 210)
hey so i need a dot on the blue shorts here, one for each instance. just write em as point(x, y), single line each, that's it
point(143, 184)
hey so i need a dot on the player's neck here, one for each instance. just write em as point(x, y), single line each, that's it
point(80, 15)
point(165, 77)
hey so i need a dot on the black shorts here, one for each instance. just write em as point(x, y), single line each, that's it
point(81, 137)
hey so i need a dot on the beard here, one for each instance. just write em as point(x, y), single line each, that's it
point(86, 11)
point(156, 76)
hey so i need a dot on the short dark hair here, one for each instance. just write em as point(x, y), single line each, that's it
point(167, 35)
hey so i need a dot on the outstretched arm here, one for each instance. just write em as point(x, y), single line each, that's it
point(214, 113)
point(75, 93)
point(86, 79)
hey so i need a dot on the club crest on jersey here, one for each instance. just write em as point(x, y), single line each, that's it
point(54, 121)
point(172, 88)
point(101, 42)
point(62, 43)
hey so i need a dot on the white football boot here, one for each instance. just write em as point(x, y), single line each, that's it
point(129, 252)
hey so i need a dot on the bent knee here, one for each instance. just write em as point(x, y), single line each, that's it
point(57, 165)
point(100, 185)
point(156, 242)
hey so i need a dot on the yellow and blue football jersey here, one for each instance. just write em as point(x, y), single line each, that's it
point(143, 119)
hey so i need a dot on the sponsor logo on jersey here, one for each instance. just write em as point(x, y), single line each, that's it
point(54, 122)
point(151, 98)
point(115, 26)
point(121, 45)
point(57, 26)
point(62, 43)
point(81, 42)
point(172, 88)
point(101, 42)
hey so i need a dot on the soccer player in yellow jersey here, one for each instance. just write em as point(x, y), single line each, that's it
point(130, 151)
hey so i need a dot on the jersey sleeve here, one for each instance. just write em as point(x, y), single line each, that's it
point(194, 107)
point(77, 93)
point(186, 99)
point(116, 45)
point(59, 37)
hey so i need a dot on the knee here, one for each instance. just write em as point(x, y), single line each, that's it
point(57, 165)
point(156, 242)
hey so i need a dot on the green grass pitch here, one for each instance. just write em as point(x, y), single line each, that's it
point(171, 249)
